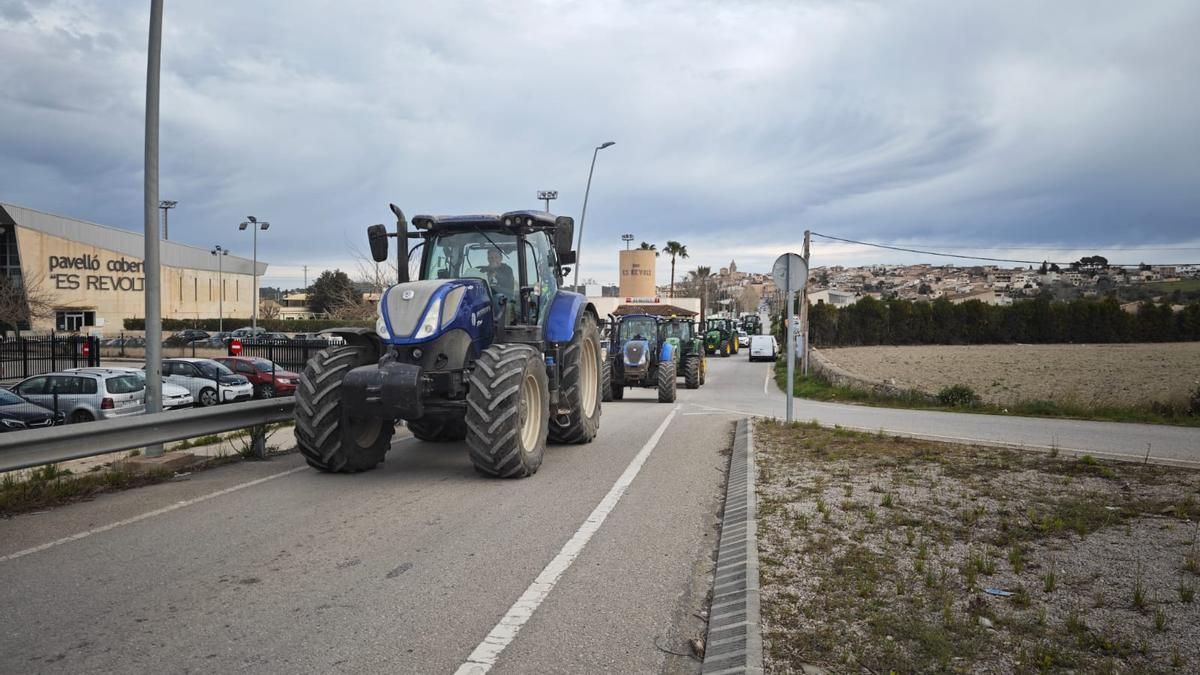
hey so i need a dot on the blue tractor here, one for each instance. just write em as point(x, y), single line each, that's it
point(482, 346)
point(639, 355)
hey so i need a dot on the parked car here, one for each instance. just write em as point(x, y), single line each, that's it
point(186, 337)
point(84, 397)
point(16, 413)
point(246, 331)
point(210, 382)
point(174, 396)
point(743, 338)
point(763, 347)
point(266, 337)
point(269, 379)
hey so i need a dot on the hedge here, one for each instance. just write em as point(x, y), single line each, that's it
point(233, 323)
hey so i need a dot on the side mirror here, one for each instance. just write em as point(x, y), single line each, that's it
point(378, 237)
point(564, 239)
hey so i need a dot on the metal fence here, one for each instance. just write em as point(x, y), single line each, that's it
point(26, 356)
point(289, 354)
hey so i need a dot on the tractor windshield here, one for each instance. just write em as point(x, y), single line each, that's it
point(678, 329)
point(641, 328)
point(459, 255)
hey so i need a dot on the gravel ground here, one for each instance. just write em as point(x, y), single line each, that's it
point(877, 554)
point(1121, 374)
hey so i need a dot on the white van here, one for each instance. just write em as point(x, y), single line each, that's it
point(763, 347)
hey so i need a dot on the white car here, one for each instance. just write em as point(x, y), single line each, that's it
point(209, 382)
point(743, 338)
point(763, 347)
point(174, 396)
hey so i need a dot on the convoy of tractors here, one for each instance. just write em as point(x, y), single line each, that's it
point(485, 346)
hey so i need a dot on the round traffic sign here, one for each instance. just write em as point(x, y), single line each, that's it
point(790, 272)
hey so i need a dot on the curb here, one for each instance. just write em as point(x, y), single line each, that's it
point(734, 641)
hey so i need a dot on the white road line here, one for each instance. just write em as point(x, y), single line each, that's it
point(150, 514)
point(485, 655)
point(765, 381)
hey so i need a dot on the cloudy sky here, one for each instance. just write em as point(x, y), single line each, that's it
point(1058, 128)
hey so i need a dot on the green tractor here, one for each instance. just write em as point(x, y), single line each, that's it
point(693, 365)
point(720, 337)
point(639, 355)
point(752, 324)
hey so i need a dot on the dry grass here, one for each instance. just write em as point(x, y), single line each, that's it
point(876, 553)
point(1083, 375)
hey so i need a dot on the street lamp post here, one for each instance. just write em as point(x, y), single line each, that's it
point(254, 224)
point(583, 216)
point(166, 205)
point(220, 253)
point(627, 238)
point(547, 195)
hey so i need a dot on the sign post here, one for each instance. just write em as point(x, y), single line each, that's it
point(790, 273)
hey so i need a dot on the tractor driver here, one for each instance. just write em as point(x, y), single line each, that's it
point(499, 275)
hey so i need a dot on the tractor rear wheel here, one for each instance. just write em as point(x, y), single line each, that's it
point(508, 411)
point(580, 388)
point(724, 349)
point(606, 388)
point(666, 381)
point(438, 429)
point(330, 437)
point(691, 372)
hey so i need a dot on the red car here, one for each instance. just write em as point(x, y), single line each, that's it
point(269, 380)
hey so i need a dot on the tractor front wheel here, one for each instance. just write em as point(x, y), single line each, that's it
point(667, 373)
point(606, 385)
point(508, 411)
point(691, 372)
point(581, 386)
point(330, 437)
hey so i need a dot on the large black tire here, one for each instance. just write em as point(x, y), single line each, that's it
point(606, 384)
point(691, 372)
point(666, 381)
point(580, 387)
point(508, 411)
point(703, 370)
point(724, 349)
point(438, 429)
point(329, 436)
point(618, 390)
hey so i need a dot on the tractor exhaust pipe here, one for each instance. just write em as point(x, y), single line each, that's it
point(401, 244)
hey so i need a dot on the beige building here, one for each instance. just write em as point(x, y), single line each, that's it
point(95, 277)
point(637, 273)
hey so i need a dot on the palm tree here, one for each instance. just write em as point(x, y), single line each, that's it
point(674, 249)
point(649, 247)
point(701, 275)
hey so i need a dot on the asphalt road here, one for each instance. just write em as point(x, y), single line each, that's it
point(596, 564)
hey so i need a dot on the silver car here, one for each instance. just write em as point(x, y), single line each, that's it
point(210, 382)
point(85, 396)
point(174, 396)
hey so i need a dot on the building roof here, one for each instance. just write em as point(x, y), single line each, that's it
point(126, 242)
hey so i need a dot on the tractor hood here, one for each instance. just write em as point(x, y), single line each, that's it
point(637, 354)
point(419, 311)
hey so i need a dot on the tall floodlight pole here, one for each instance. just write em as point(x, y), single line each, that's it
point(153, 288)
point(547, 195)
point(220, 253)
point(583, 216)
point(627, 238)
point(167, 205)
point(254, 225)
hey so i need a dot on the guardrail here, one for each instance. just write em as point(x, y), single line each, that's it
point(36, 447)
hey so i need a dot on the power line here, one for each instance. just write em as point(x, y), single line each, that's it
point(976, 257)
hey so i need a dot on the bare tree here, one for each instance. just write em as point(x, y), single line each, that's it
point(268, 309)
point(24, 302)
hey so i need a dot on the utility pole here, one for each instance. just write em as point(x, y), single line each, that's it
point(804, 308)
point(153, 288)
point(583, 216)
point(305, 278)
point(166, 205)
point(220, 253)
point(627, 238)
point(254, 225)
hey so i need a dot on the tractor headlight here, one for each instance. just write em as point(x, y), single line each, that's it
point(429, 324)
point(381, 328)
